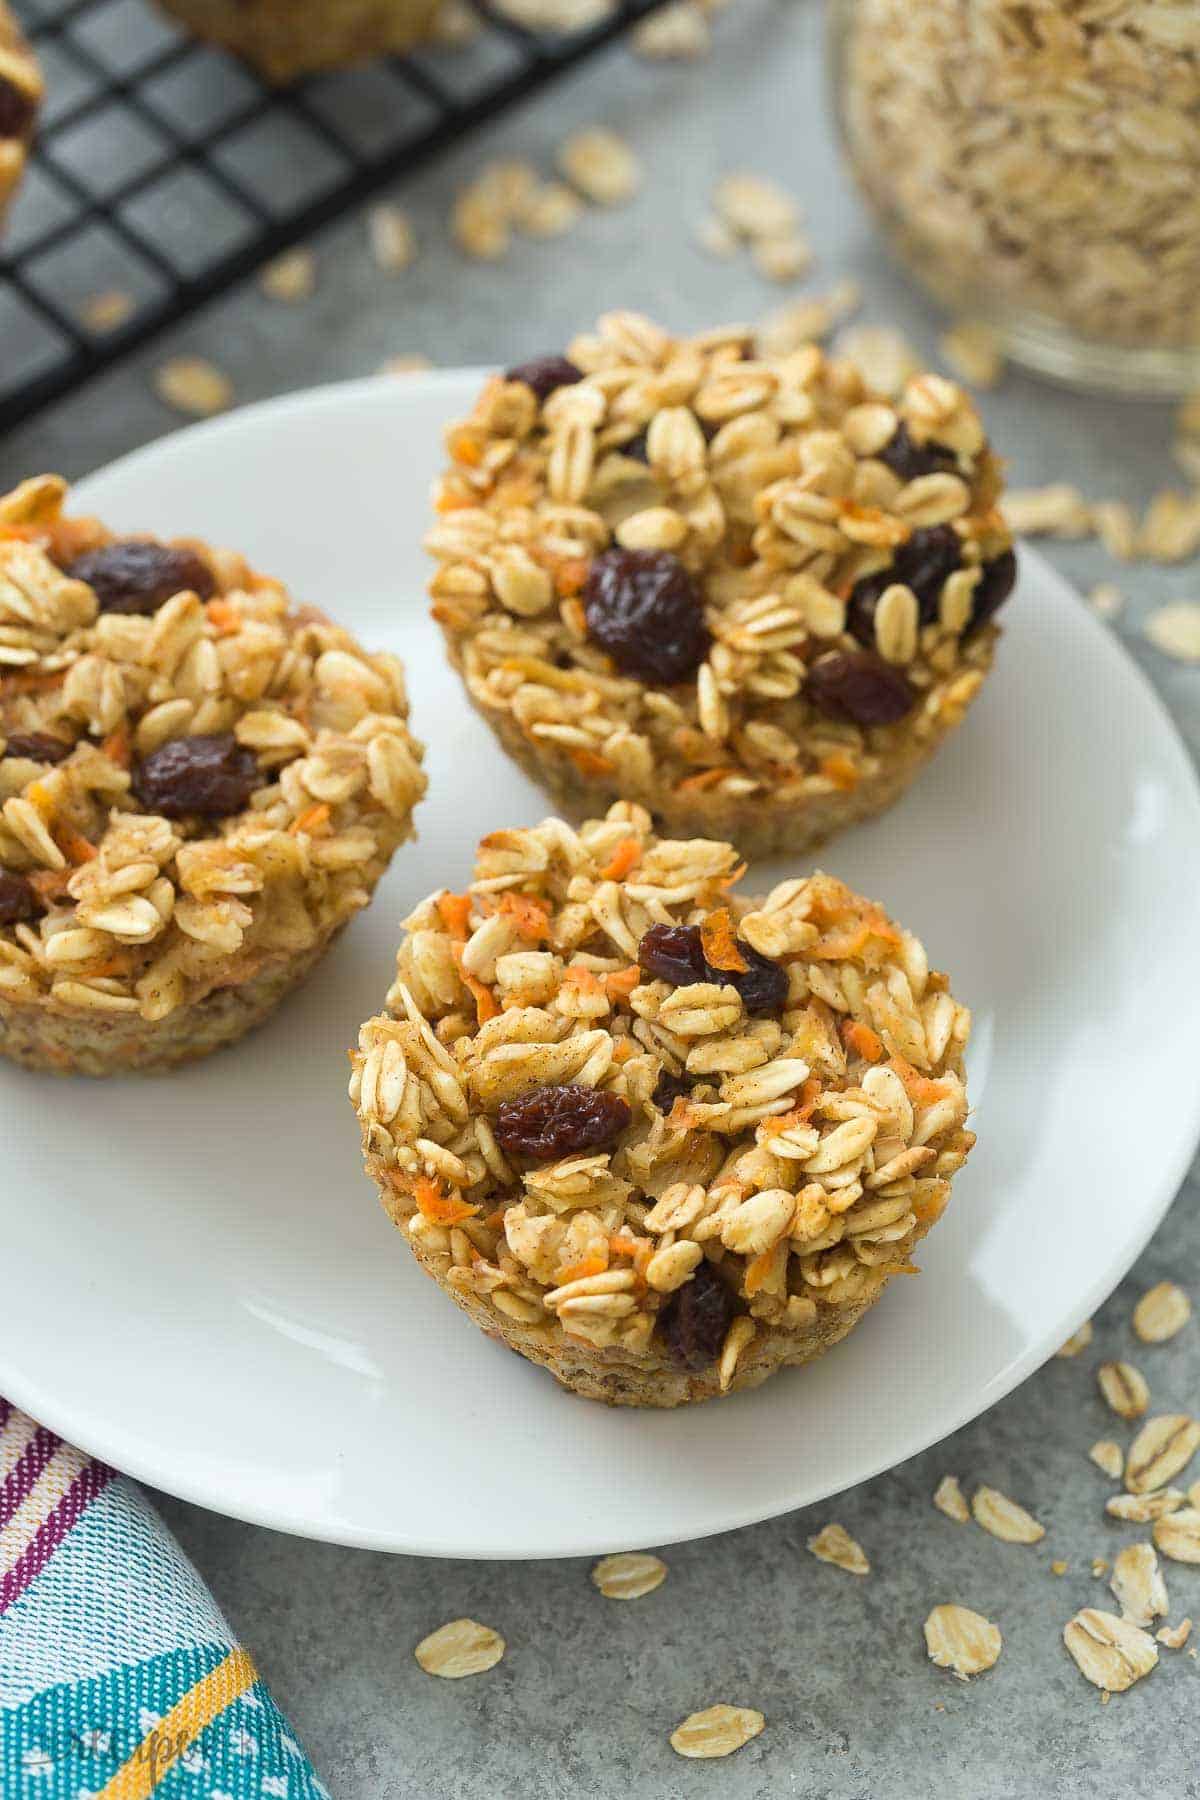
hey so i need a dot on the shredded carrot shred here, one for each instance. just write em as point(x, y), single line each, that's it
point(758, 1271)
point(838, 768)
point(495, 1220)
point(529, 914)
point(579, 1271)
point(626, 857)
point(486, 1004)
point(49, 884)
point(590, 763)
point(74, 846)
point(464, 449)
point(622, 1050)
point(118, 748)
point(621, 983)
point(311, 819)
point(586, 980)
point(454, 910)
point(40, 796)
point(701, 780)
point(918, 1087)
point(438, 1207)
point(569, 576)
point(449, 501)
point(862, 1039)
point(719, 941)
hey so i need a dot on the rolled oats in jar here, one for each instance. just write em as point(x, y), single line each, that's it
point(1037, 162)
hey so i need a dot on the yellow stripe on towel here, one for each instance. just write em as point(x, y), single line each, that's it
point(162, 1746)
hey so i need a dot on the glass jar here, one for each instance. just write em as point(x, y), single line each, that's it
point(1036, 164)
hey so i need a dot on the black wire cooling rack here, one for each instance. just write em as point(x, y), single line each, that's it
point(163, 170)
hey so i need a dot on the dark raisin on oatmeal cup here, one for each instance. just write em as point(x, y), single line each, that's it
point(737, 588)
point(659, 1139)
point(200, 785)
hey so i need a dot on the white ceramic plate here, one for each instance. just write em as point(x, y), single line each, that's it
point(199, 1285)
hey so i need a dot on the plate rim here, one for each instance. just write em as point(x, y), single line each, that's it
point(141, 1462)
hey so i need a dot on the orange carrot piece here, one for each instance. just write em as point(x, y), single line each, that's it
point(586, 980)
point(465, 449)
point(590, 763)
point(529, 914)
point(118, 747)
point(918, 1087)
point(311, 819)
point(438, 1207)
point(862, 1039)
point(621, 983)
point(719, 941)
point(486, 1004)
point(454, 910)
point(74, 846)
point(838, 768)
point(49, 884)
point(624, 859)
point(579, 1271)
point(702, 779)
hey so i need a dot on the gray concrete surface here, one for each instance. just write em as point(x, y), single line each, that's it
point(584, 1701)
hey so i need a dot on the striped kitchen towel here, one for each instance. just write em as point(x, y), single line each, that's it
point(119, 1678)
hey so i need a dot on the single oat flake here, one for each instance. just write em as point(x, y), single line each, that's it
point(949, 1498)
point(1175, 1636)
point(1106, 601)
point(390, 234)
point(754, 206)
point(1078, 1340)
point(1138, 1585)
point(1142, 1509)
point(601, 165)
point(1177, 1535)
point(959, 1639)
point(1175, 630)
point(1108, 1456)
point(108, 310)
point(1124, 1388)
point(630, 1576)
point(1110, 1652)
point(463, 1647)
point(1163, 1447)
point(835, 1545)
point(717, 1731)
point(192, 385)
point(1004, 1518)
point(290, 278)
point(1161, 1312)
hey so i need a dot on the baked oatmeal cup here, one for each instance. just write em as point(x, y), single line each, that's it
point(657, 1138)
point(200, 784)
point(21, 95)
point(288, 38)
point(746, 593)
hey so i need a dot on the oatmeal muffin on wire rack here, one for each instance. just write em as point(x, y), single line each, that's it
point(658, 1138)
point(288, 38)
point(21, 93)
point(747, 593)
point(199, 785)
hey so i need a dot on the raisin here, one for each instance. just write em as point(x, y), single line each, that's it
point(17, 109)
point(995, 584)
point(212, 776)
point(642, 606)
point(38, 746)
point(694, 1321)
point(909, 460)
point(668, 1089)
point(859, 687)
point(131, 576)
point(545, 373)
point(18, 902)
point(923, 564)
point(549, 1122)
point(675, 953)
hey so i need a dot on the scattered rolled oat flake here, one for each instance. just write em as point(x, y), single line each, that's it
point(291, 277)
point(675, 33)
point(949, 1498)
point(1004, 1518)
point(1078, 1340)
point(601, 165)
point(406, 362)
point(107, 311)
point(1106, 599)
point(1162, 1311)
point(478, 227)
point(1141, 1509)
point(1058, 510)
point(1110, 1652)
point(1124, 1388)
point(629, 1576)
point(1174, 1636)
point(463, 1647)
point(1058, 1567)
point(973, 352)
point(717, 1731)
point(833, 1544)
point(1099, 1566)
point(782, 258)
point(192, 385)
point(1108, 1456)
point(1177, 1535)
point(390, 234)
point(754, 206)
point(883, 356)
point(1163, 1447)
point(1175, 630)
point(959, 1639)
point(549, 210)
point(715, 238)
point(1138, 1585)
point(1170, 530)
point(1116, 528)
